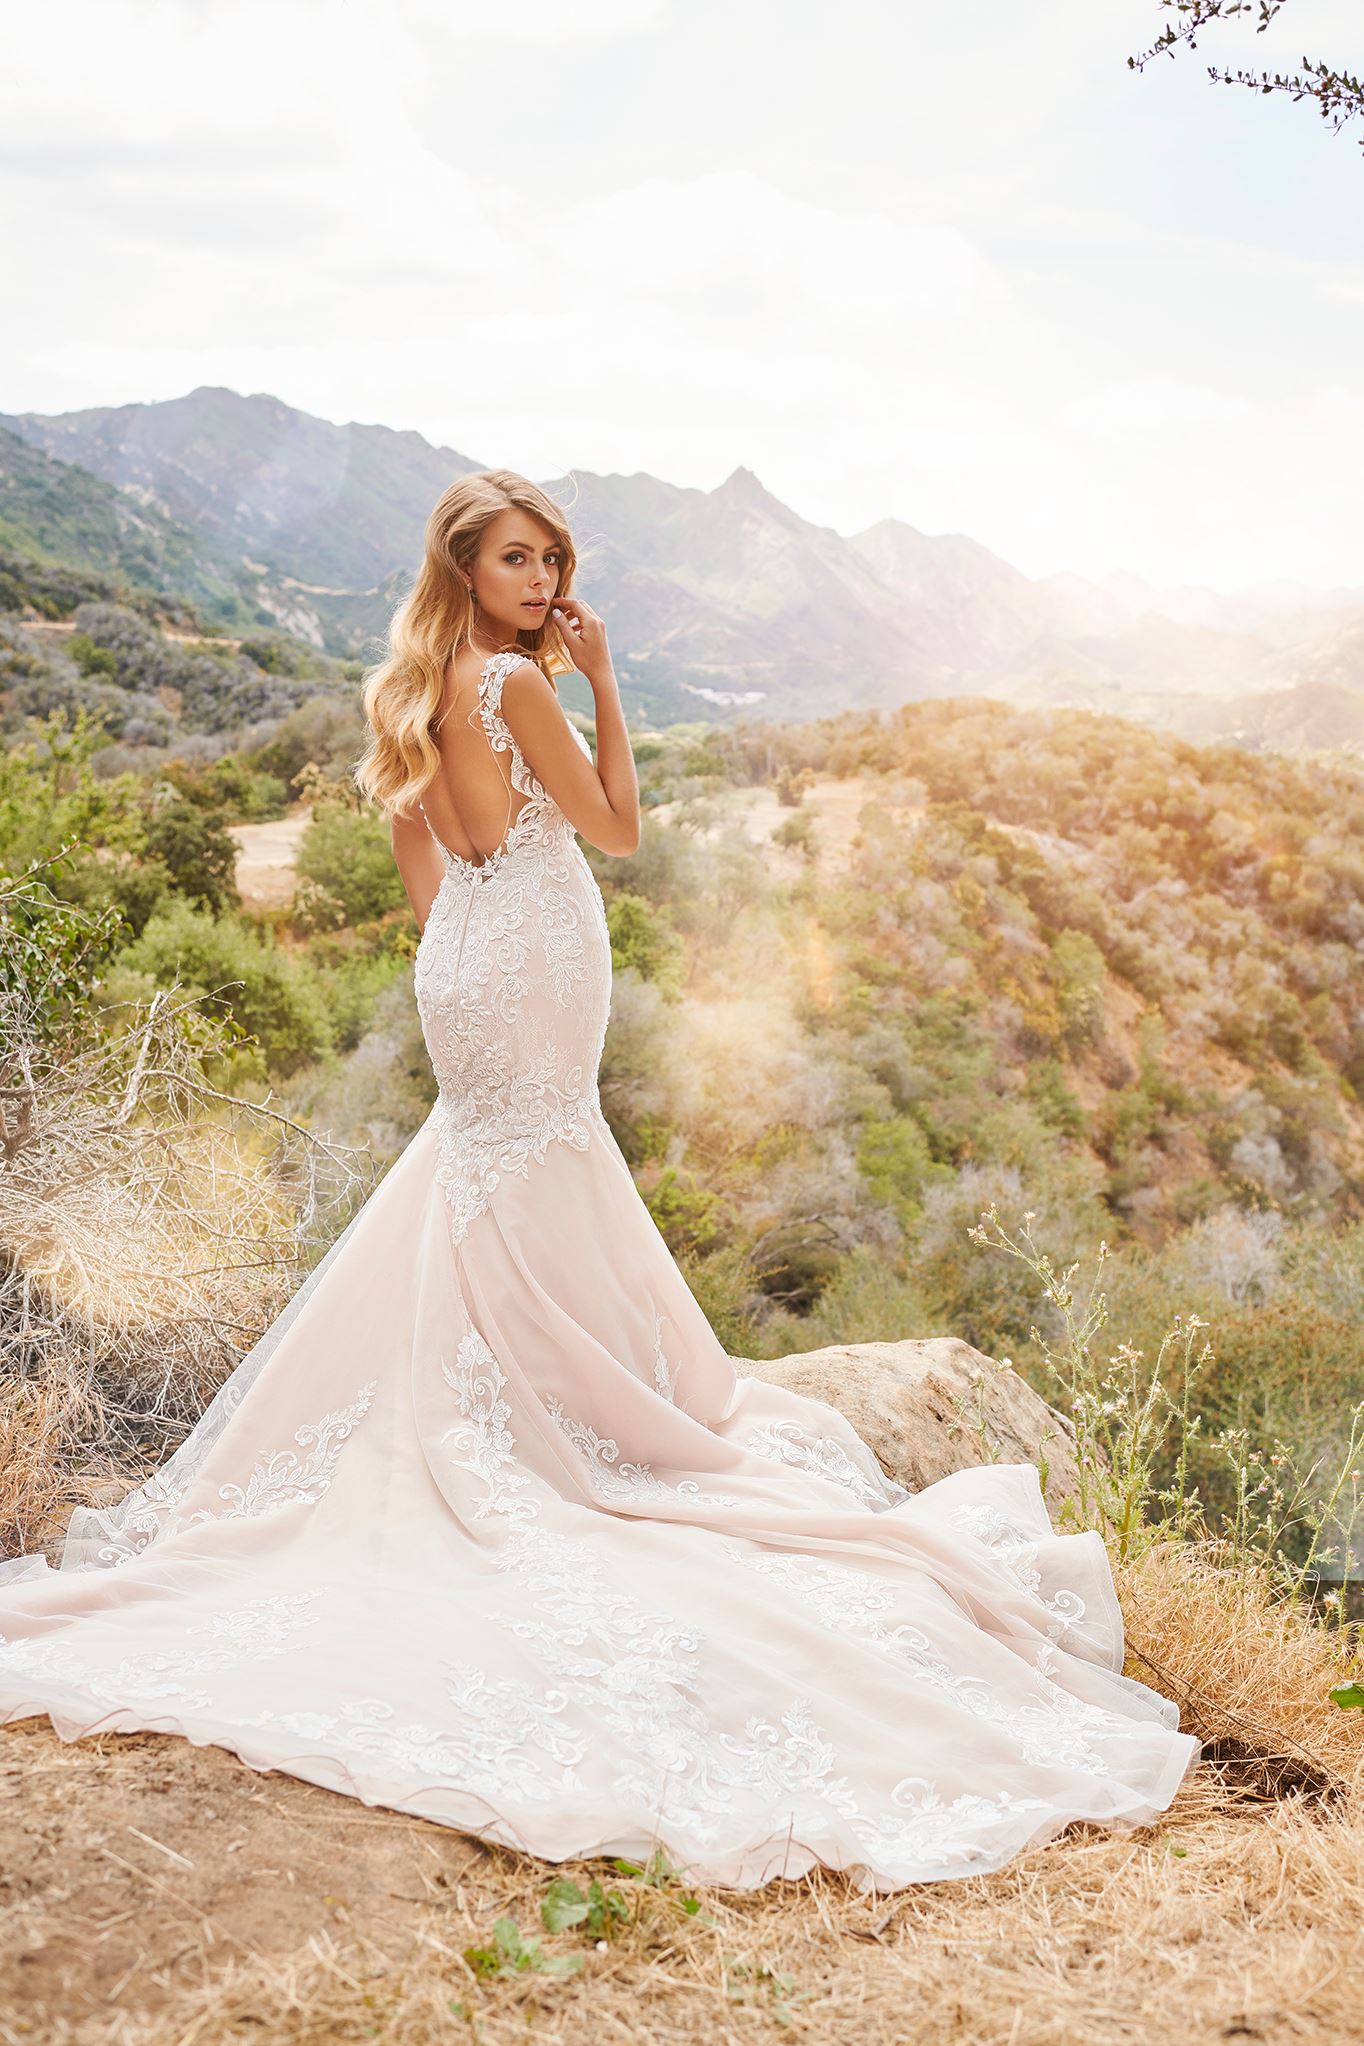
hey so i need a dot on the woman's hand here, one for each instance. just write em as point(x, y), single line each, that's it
point(584, 636)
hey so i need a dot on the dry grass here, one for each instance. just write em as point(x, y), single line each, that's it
point(152, 1224)
point(48, 1424)
point(158, 1894)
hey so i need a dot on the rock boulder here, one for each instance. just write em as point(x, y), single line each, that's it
point(933, 1406)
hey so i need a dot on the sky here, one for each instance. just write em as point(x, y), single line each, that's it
point(954, 264)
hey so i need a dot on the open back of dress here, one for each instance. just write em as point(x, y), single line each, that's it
point(475, 750)
point(485, 729)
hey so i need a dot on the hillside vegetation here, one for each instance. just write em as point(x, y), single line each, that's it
point(56, 514)
point(152, 691)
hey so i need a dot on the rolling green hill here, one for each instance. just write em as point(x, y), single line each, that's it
point(54, 512)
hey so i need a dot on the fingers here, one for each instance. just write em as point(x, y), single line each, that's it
point(578, 623)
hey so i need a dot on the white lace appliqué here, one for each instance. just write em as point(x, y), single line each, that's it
point(482, 1442)
point(1016, 1549)
point(788, 1442)
point(1050, 1732)
point(513, 985)
point(252, 1633)
point(279, 1479)
point(632, 1483)
point(665, 1377)
point(517, 1745)
point(283, 1477)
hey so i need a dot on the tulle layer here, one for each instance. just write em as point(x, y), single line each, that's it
point(490, 1532)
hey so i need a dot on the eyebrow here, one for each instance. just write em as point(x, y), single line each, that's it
point(527, 546)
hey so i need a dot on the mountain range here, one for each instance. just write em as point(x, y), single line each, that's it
point(718, 601)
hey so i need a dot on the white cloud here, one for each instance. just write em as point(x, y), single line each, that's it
point(530, 21)
point(1153, 404)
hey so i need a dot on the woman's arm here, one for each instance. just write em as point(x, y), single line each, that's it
point(601, 801)
point(419, 863)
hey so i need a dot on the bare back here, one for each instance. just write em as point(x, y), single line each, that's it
point(487, 796)
point(471, 804)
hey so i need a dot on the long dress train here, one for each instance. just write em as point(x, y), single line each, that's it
point(486, 1528)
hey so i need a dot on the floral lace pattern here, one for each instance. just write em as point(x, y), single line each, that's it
point(632, 1483)
point(1017, 1551)
point(282, 1477)
point(278, 1479)
point(665, 1378)
point(518, 1746)
point(789, 1443)
point(252, 1633)
point(638, 1675)
point(853, 1602)
point(483, 1443)
point(513, 985)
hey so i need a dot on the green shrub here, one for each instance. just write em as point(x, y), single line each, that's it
point(1079, 976)
point(895, 1160)
point(345, 865)
point(197, 850)
point(798, 834)
point(643, 937)
point(278, 999)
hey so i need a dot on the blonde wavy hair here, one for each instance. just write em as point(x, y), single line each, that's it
point(434, 620)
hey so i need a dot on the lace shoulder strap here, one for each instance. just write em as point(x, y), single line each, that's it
point(495, 673)
point(500, 737)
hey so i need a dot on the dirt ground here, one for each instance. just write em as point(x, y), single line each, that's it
point(158, 1894)
point(266, 856)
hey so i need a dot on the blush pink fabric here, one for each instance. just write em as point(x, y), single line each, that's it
point(486, 1528)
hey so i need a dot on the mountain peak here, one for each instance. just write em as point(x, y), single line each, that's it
point(742, 482)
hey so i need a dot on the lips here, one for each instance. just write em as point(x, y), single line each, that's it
point(533, 607)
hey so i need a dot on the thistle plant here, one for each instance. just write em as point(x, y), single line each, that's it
point(1135, 1425)
point(1123, 1408)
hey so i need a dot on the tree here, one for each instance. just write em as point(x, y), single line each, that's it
point(1339, 95)
point(196, 847)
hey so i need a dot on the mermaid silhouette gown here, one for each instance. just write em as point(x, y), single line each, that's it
point(486, 1528)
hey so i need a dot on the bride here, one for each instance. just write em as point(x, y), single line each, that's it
point(485, 1527)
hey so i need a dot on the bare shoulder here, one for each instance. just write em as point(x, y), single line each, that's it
point(539, 722)
point(527, 673)
point(528, 691)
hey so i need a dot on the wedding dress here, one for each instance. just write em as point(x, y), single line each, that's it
point(486, 1527)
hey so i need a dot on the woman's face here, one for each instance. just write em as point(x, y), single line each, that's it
point(516, 573)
